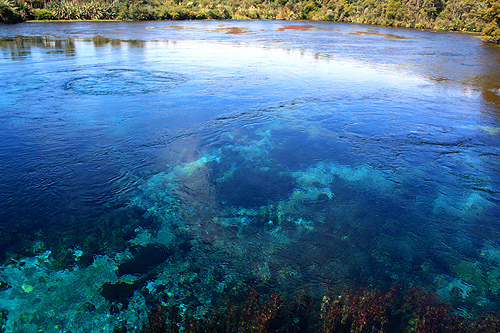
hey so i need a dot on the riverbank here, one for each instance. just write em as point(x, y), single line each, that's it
point(479, 16)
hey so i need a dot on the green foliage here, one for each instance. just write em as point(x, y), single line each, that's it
point(43, 14)
point(392, 7)
point(492, 28)
point(461, 15)
point(432, 8)
point(492, 14)
point(140, 13)
point(84, 11)
point(308, 10)
point(9, 15)
point(492, 33)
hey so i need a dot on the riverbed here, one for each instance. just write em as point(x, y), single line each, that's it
point(188, 160)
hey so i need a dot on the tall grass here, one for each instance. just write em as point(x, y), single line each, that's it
point(92, 10)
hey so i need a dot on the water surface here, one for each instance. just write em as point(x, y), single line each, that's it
point(188, 160)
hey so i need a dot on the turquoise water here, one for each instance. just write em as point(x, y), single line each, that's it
point(186, 160)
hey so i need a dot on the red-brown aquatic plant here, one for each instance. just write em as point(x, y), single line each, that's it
point(354, 309)
point(157, 320)
point(357, 310)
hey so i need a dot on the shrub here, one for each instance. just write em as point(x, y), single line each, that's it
point(8, 15)
point(492, 33)
point(492, 28)
point(43, 14)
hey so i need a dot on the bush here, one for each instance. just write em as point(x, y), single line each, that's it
point(43, 14)
point(492, 33)
point(8, 15)
point(492, 28)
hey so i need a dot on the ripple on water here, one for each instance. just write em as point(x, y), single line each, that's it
point(125, 82)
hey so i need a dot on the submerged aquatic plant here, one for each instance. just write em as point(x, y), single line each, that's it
point(357, 310)
point(354, 309)
point(157, 320)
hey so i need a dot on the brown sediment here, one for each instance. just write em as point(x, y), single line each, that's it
point(233, 31)
point(177, 27)
point(296, 27)
point(376, 34)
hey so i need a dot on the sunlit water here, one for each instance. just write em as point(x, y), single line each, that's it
point(186, 160)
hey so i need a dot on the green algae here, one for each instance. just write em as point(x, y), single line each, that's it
point(34, 299)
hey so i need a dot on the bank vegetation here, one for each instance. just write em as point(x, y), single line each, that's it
point(452, 15)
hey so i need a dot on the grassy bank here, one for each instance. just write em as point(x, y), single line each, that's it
point(455, 15)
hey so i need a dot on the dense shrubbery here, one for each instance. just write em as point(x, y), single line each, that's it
point(12, 12)
point(461, 15)
point(492, 28)
point(43, 14)
point(8, 15)
point(83, 11)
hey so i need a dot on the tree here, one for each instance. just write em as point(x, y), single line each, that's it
point(392, 8)
point(9, 15)
point(492, 18)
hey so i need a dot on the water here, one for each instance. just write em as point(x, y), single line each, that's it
point(187, 160)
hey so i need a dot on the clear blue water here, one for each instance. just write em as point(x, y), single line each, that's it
point(182, 159)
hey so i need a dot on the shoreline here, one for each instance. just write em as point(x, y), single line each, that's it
point(480, 17)
point(477, 33)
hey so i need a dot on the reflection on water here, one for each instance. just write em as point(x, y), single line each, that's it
point(185, 163)
point(103, 41)
point(19, 47)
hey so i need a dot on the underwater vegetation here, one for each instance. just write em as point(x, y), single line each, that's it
point(354, 309)
point(196, 233)
point(296, 199)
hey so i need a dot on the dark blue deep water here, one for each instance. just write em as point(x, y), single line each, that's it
point(188, 160)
